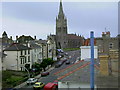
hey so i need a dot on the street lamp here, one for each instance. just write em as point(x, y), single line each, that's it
point(23, 67)
point(48, 47)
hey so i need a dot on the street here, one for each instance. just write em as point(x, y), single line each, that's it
point(56, 73)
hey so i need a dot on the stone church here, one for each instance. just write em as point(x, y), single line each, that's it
point(62, 38)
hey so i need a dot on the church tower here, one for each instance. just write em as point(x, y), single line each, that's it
point(61, 28)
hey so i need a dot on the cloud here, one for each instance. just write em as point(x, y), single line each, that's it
point(20, 27)
point(39, 18)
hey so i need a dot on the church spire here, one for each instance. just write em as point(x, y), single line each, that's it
point(61, 8)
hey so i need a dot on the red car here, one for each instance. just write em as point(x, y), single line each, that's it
point(51, 86)
point(44, 73)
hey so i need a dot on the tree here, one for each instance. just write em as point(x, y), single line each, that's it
point(43, 64)
point(50, 61)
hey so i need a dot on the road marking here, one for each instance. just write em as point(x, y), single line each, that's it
point(97, 67)
point(67, 67)
point(67, 74)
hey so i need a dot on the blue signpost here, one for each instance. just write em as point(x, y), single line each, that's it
point(92, 60)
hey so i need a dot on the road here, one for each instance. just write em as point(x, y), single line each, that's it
point(56, 73)
point(51, 77)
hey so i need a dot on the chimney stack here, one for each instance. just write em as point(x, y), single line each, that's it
point(11, 37)
point(16, 39)
point(35, 37)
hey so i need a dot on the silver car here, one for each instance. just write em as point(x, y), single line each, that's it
point(31, 81)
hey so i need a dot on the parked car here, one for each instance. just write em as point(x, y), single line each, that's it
point(59, 56)
point(66, 54)
point(67, 62)
point(44, 73)
point(64, 60)
point(59, 64)
point(38, 85)
point(31, 81)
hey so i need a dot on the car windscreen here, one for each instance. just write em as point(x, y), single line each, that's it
point(36, 85)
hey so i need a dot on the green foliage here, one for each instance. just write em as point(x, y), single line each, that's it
point(43, 64)
point(46, 62)
point(13, 79)
point(6, 75)
point(70, 49)
point(37, 66)
point(50, 61)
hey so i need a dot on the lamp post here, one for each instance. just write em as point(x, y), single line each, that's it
point(48, 47)
point(92, 60)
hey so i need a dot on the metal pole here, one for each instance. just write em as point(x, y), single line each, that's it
point(27, 71)
point(92, 60)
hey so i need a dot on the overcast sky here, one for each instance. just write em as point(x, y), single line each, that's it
point(39, 18)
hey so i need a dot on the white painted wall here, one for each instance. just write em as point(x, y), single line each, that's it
point(86, 52)
point(36, 54)
point(13, 60)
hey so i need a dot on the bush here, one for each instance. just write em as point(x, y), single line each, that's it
point(11, 78)
point(71, 49)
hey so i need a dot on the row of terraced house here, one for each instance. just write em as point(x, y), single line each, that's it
point(25, 51)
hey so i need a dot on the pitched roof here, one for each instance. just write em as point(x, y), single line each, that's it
point(16, 47)
point(42, 41)
point(73, 36)
point(4, 33)
point(26, 37)
point(82, 75)
point(34, 46)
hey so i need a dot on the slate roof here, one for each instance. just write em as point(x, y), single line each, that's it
point(4, 33)
point(73, 36)
point(34, 46)
point(17, 47)
point(42, 41)
point(82, 75)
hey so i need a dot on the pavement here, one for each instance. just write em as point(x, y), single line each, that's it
point(38, 76)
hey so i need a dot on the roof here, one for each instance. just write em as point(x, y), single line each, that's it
point(73, 36)
point(34, 46)
point(82, 75)
point(26, 37)
point(4, 33)
point(42, 41)
point(5, 44)
point(38, 82)
point(17, 47)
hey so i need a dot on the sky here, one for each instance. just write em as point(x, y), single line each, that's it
point(39, 18)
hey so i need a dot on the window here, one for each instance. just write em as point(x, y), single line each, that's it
point(110, 45)
point(28, 58)
point(25, 59)
point(28, 51)
point(21, 60)
point(21, 52)
point(25, 52)
point(41, 83)
point(21, 68)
